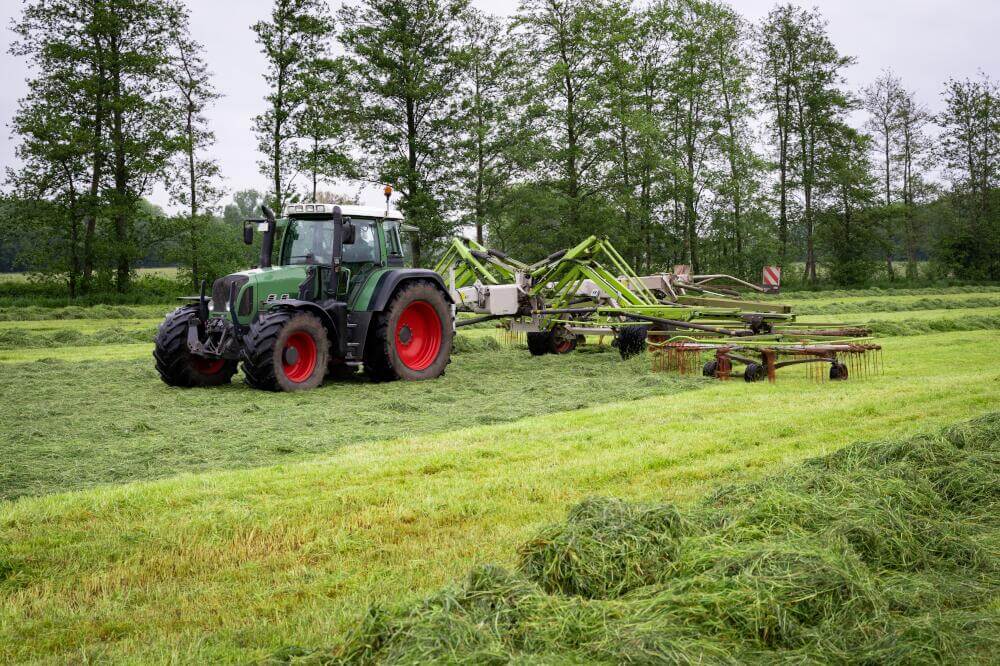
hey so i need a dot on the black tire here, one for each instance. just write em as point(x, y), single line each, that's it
point(561, 341)
point(631, 340)
point(540, 343)
point(411, 339)
point(285, 350)
point(838, 372)
point(711, 369)
point(755, 372)
point(178, 366)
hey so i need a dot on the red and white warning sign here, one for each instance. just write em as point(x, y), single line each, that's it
point(772, 277)
point(683, 272)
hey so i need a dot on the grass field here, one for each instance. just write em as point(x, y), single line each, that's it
point(141, 524)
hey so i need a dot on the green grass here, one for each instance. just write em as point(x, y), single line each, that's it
point(115, 421)
point(232, 565)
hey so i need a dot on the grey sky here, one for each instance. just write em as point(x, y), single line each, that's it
point(923, 41)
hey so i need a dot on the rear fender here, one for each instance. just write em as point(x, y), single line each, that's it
point(390, 282)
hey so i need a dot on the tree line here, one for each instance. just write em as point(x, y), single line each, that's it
point(683, 131)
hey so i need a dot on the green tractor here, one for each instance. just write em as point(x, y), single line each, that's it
point(338, 298)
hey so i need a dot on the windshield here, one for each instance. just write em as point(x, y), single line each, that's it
point(311, 242)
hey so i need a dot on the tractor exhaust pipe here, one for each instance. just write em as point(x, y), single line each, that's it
point(267, 243)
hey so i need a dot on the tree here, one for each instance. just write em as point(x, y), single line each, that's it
point(729, 52)
point(246, 205)
point(912, 155)
point(970, 153)
point(564, 98)
point(803, 71)
point(193, 178)
point(48, 188)
point(847, 187)
point(108, 59)
point(322, 123)
point(488, 149)
point(882, 100)
point(294, 41)
point(405, 60)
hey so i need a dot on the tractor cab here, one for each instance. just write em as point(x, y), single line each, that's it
point(368, 239)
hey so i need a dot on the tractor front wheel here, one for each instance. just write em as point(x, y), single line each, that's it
point(176, 364)
point(286, 351)
point(411, 339)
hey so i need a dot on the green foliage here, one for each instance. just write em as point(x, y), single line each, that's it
point(405, 62)
point(294, 41)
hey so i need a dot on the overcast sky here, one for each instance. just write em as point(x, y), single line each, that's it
point(923, 41)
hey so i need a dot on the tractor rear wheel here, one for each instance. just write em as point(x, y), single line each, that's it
point(411, 339)
point(285, 350)
point(178, 366)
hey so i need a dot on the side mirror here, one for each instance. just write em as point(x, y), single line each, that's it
point(350, 233)
point(248, 232)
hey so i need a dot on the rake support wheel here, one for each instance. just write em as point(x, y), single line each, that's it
point(540, 343)
point(755, 372)
point(711, 369)
point(838, 372)
point(285, 350)
point(562, 341)
point(631, 340)
point(411, 339)
point(178, 366)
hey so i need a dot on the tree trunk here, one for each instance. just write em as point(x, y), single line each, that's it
point(97, 161)
point(411, 175)
point(122, 198)
point(480, 164)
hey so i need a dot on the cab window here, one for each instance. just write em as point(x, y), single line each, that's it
point(311, 242)
point(365, 246)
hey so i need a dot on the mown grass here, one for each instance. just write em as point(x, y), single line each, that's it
point(879, 553)
point(91, 422)
point(900, 304)
point(234, 565)
point(830, 294)
point(74, 312)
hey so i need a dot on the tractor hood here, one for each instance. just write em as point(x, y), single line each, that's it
point(256, 287)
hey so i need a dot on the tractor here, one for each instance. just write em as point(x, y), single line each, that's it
point(337, 298)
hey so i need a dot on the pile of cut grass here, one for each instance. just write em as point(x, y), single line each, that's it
point(899, 305)
point(14, 338)
point(40, 313)
point(878, 553)
point(915, 326)
point(813, 294)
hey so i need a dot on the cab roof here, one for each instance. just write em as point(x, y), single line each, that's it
point(306, 208)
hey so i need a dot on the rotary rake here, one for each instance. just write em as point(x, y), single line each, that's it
point(683, 321)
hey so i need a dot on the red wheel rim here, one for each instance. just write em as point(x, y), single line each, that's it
point(418, 335)
point(298, 358)
point(207, 366)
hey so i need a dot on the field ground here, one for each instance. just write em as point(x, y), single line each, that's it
point(149, 524)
